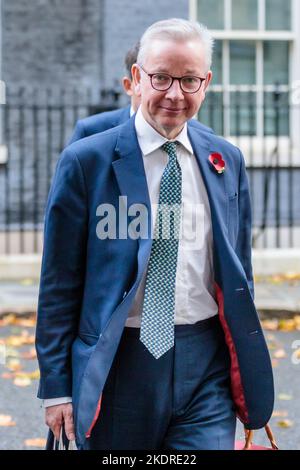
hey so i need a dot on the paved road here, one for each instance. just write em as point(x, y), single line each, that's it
point(20, 402)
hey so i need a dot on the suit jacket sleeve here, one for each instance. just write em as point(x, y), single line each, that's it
point(78, 133)
point(244, 241)
point(62, 277)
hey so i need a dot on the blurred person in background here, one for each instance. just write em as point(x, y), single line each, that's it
point(106, 120)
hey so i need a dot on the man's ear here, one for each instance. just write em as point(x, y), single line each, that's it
point(127, 85)
point(206, 83)
point(208, 79)
point(136, 77)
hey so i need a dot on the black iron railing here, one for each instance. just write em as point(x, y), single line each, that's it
point(37, 124)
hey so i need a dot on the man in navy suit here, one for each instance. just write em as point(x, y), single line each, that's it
point(147, 331)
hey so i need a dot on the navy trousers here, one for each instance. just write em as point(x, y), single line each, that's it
point(179, 401)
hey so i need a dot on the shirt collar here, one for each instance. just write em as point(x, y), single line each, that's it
point(150, 140)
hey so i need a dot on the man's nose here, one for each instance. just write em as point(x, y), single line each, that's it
point(175, 92)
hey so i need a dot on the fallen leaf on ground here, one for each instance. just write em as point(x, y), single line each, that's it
point(30, 375)
point(280, 414)
point(285, 423)
point(7, 320)
point(297, 322)
point(279, 354)
point(286, 325)
point(31, 354)
point(17, 341)
point(292, 276)
point(35, 374)
point(26, 282)
point(271, 325)
point(276, 279)
point(284, 396)
point(14, 364)
point(36, 442)
point(22, 381)
point(15, 320)
point(26, 322)
point(7, 375)
point(6, 420)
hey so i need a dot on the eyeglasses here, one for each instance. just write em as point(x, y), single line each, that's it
point(164, 81)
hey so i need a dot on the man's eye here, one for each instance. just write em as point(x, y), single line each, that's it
point(189, 80)
point(161, 78)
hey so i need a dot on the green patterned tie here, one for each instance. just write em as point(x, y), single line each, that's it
point(157, 326)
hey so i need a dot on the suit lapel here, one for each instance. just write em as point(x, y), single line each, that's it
point(130, 175)
point(214, 182)
point(129, 167)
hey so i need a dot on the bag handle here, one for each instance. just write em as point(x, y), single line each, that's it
point(63, 443)
point(249, 433)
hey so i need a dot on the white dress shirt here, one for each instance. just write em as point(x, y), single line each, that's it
point(194, 288)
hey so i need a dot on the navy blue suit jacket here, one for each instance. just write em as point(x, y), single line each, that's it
point(87, 284)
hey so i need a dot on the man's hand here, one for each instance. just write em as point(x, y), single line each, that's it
point(56, 415)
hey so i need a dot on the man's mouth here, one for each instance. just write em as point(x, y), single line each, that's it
point(172, 110)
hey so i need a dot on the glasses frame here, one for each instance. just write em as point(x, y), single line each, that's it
point(172, 80)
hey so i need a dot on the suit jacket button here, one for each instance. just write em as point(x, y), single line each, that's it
point(125, 293)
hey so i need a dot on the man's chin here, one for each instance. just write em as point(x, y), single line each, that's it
point(170, 124)
point(166, 125)
point(171, 120)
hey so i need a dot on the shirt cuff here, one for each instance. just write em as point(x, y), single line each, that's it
point(56, 401)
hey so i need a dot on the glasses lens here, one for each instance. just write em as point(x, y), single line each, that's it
point(161, 81)
point(190, 84)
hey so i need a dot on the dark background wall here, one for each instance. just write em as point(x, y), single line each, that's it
point(51, 42)
point(75, 42)
point(77, 46)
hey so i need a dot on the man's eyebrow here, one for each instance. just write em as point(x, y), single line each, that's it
point(188, 72)
point(191, 72)
point(161, 70)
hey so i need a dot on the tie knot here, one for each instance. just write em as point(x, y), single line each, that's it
point(170, 148)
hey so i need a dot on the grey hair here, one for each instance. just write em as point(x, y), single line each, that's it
point(177, 29)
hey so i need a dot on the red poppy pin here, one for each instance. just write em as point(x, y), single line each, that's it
point(217, 162)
